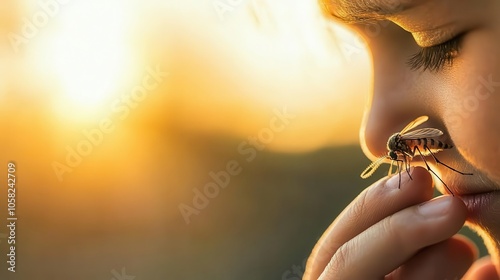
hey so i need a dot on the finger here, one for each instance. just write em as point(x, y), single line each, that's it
point(449, 259)
point(483, 269)
point(380, 200)
point(385, 246)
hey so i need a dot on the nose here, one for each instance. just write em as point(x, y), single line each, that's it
point(380, 122)
point(394, 104)
point(400, 95)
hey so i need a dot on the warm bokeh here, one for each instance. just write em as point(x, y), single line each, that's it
point(117, 113)
point(228, 66)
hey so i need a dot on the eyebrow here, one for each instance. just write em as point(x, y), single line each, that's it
point(355, 11)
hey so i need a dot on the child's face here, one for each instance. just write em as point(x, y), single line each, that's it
point(462, 98)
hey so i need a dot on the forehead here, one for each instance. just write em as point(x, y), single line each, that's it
point(363, 10)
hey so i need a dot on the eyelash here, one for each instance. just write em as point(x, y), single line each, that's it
point(436, 57)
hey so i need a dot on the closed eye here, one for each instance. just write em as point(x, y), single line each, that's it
point(436, 57)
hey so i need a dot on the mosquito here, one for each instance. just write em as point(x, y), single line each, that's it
point(405, 145)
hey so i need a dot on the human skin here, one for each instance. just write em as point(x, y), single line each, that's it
point(381, 233)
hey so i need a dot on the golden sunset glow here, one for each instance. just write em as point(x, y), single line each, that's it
point(90, 57)
point(259, 56)
point(117, 112)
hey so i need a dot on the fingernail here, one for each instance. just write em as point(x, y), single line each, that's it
point(393, 182)
point(435, 207)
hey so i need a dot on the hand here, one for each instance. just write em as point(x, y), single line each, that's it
point(391, 233)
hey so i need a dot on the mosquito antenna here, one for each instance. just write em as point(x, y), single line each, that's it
point(373, 167)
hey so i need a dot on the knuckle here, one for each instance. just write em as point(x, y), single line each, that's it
point(358, 208)
point(392, 229)
point(342, 259)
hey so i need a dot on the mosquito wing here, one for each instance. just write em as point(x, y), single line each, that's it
point(373, 167)
point(418, 121)
point(421, 133)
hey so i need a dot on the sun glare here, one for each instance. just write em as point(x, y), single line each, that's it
point(90, 54)
point(259, 55)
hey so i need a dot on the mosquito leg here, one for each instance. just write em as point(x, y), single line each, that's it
point(432, 171)
point(440, 162)
point(399, 163)
point(399, 173)
point(399, 166)
point(407, 165)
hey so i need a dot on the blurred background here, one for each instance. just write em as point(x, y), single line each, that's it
point(176, 139)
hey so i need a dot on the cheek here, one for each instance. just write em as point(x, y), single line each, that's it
point(472, 110)
point(474, 127)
